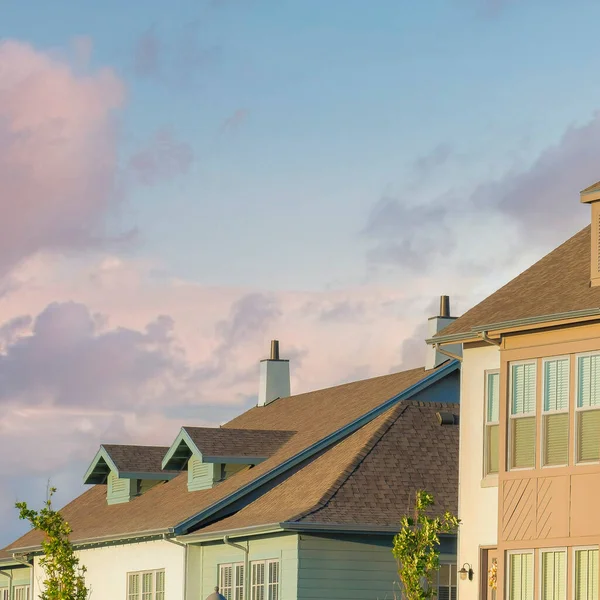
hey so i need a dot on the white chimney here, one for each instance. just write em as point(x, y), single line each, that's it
point(434, 358)
point(274, 377)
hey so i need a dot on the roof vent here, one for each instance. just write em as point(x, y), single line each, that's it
point(446, 418)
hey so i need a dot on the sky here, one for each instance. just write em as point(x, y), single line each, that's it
point(182, 182)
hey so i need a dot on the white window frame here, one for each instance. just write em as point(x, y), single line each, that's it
point(510, 553)
point(487, 423)
point(235, 567)
point(576, 549)
point(266, 585)
point(512, 417)
point(545, 412)
point(449, 586)
point(141, 576)
point(26, 587)
point(4, 593)
point(543, 551)
point(580, 410)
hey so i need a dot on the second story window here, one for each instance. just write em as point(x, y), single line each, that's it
point(555, 450)
point(588, 408)
point(522, 416)
point(492, 417)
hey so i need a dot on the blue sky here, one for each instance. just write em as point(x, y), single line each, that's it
point(315, 171)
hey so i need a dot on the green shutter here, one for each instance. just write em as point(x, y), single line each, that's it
point(556, 439)
point(523, 389)
point(556, 384)
point(523, 443)
point(493, 442)
point(588, 392)
point(588, 435)
point(586, 575)
point(520, 585)
point(554, 575)
point(493, 398)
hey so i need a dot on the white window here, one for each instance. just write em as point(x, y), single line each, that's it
point(554, 575)
point(522, 415)
point(146, 585)
point(555, 412)
point(4, 593)
point(520, 576)
point(586, 574)
point(231, 581)
point(265, 580)
point(446, 582)
point(21, 592)
point(492, 419)
point(587, 414)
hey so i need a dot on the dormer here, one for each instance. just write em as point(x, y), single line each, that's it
point(211, 455)
point(591, 196)
point(127, 471)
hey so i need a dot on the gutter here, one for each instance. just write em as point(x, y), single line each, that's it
point(246, 550)
point(316, 447)
point(447, 353)
point(191, 538)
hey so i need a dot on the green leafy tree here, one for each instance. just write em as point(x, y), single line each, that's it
point(64, 576)
point(416, 547)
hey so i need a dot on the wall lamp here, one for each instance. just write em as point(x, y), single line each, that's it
point(464, 572)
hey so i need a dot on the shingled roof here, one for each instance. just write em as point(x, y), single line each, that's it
point(559, 283)
point(136, 459)
point(370, 478)
point(314, 416)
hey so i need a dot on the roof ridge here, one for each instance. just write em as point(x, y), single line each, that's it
point(395, 413)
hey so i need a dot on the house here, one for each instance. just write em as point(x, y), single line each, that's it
point(299, 497)
point(529, 463)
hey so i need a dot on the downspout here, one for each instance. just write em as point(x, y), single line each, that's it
point(448, 353)
point(245, 550)
point(10, 581)
point(185, 561)
point(489, 340)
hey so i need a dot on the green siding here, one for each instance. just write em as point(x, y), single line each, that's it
point(21, 576)
point(120, 490)
point(202, 476)
point(281, 546)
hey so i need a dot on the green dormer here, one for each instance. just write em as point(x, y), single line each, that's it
point(127, 471)
point(211, 454)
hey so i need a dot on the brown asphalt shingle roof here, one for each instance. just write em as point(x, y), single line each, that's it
point(313, 416)
point(137, 459)
point(558, 283)
point(222, 441)
point(370, 478)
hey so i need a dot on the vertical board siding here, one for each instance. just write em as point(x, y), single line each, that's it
point(283, 547)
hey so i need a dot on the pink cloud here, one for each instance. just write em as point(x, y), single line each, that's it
point(58, 160)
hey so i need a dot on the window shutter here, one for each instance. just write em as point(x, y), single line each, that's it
point(521, 577)
point(556, 439)
point(239, 582)
point(586, 575)
point(493, 400)
point(588, 435)
point(523, 442)
point(556, 384)
point(258, 581)
point(273, 580)
point(589, 381)
point(493, 437)
point(523, 389)
point(226, 581)
point(553, 576)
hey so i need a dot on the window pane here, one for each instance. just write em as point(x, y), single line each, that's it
point(556, 384)
point(133, 586)
point(160, 585)
point(588, 393)
point(556, 439)
point(239, 582)
point(523, 389)
point(493, 398)
point(523, 443)
point(586, 575)
point(553, 575)
point(258, 581)
point(493, 441)
point(226, 581)
point(520, 586)
point(273, 580)
point(588, 435)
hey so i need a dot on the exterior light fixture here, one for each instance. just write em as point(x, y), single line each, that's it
point(466, 571)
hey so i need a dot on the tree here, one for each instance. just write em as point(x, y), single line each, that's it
point(65, 577)
point(416, 547)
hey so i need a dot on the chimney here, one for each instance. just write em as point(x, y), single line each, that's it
point(591, 196)
point(434, 358)
point(274, 377)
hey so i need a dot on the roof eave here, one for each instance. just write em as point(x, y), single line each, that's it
point(349, 428)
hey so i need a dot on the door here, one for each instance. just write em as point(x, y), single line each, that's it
point(489, 570)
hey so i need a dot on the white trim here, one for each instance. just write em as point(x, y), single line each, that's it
point(141, 574)
point(235, 567)
point(512, 417)
point(577, 410)
point(542, 551)
point(486, 423)
point(545, 412)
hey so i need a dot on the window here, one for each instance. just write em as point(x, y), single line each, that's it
point(588, 408)
point(520, 576)
point(446, 582)
point(265, 580)
point(4, 594)
point(146, 585)
point(556, 412)
point(554, 575)
point(21, 592)
point(522, 416)
point(586, 574)
point(492, 418)
point(231, 581)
